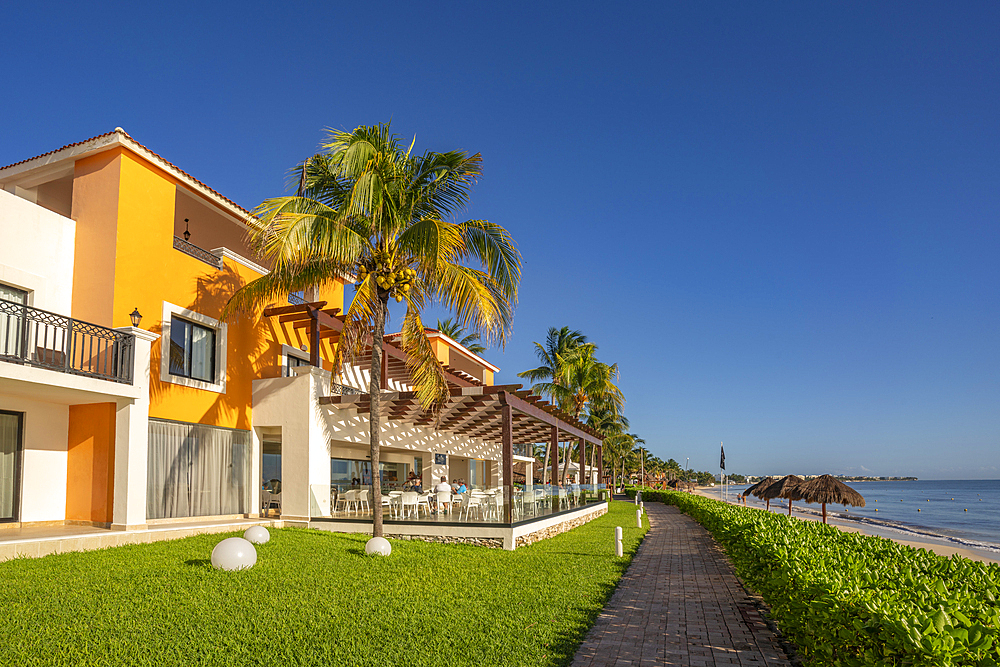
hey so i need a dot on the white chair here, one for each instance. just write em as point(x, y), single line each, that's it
point(408, 502)
point(276, 501)
point(563, 500)
point(362, 500)
point(443, 498)
point(265, 502)
point(350, 500)
point(494, 509)
point(424, 500)
point(342, 501)
point(469, 503)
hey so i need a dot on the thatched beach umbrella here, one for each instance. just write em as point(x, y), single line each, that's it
point(826, 489)
point(756, 489)
point(780, 489)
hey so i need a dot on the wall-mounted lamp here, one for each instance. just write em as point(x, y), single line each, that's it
point(187, 232)
point(136, 317)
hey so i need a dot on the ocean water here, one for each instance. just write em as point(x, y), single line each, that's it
point(963, 512)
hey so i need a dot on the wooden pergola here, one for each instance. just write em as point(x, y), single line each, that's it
point(327, 323)
point(501, 414)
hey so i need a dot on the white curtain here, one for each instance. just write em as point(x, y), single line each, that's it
point(10, 324)
point(196, 470)
point(202, 344)
point(8, 463)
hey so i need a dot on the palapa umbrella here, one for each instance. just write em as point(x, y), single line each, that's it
point(756, 489)
point(780, 489)
point(826, 489)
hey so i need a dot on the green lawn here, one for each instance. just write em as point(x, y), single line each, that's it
point(314, 598)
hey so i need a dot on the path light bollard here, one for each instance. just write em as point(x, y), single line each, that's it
point(618, 542)
point(642, 506)
point(638, 518)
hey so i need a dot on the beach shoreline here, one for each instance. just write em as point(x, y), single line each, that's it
point(941, 546)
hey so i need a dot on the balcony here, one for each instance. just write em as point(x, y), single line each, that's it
point(191, 249)
point(35, 337)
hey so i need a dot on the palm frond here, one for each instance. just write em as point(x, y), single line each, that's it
point(428, 376)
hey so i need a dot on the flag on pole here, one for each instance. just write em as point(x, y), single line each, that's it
point(722, 461)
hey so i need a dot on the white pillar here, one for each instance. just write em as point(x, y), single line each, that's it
point(529, 475)
point(132, 441)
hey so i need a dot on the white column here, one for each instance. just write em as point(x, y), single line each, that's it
point(132, 441)
point(529, 475)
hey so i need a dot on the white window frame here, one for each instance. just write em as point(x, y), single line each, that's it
point(289, 351)
point(171, 310)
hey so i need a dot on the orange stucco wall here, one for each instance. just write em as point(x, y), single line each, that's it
point(150, 271)
point(91, 462)
point(95, 209)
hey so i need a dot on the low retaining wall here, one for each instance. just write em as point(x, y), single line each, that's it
point(555, 529)
point(498, 536)
point(490, 542)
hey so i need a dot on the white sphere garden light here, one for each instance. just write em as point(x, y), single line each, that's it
point(378, 545)
point(257, 535)
point(234, 553)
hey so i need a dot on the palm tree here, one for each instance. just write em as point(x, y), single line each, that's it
point(457, 333)
point(559, 345)
point(585, 383)
point(370, 208)
point(611, 424)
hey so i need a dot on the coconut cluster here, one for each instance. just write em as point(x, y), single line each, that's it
point(396, 281)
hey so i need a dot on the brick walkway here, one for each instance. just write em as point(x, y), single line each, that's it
point(679, 604)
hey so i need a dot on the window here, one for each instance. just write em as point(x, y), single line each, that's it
point(290, 363)
point(12, 320)
point(192, 350)
point(8, 293)
point(297, 298)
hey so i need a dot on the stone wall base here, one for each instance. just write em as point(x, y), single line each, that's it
point(552, 531)
point(491, 542)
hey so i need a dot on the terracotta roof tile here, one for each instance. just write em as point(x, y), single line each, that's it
point(171, 165)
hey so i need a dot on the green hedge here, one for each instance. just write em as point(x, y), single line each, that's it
point(851, 599)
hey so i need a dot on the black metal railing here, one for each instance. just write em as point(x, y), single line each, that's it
point(189, 248)
point(37, 337)
point(345, 390)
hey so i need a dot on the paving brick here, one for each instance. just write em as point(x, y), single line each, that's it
point(679, 603)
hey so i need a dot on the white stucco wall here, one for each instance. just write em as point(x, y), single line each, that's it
point(43, 464)
point(37, 253)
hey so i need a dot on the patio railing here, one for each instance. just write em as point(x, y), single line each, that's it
point(530, 503)
point(36, 337)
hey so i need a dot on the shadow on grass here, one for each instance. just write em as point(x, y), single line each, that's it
point(199, 562)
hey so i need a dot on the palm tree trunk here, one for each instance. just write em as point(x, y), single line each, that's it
point(374, 418)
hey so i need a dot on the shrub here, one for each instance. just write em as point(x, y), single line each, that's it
point(850, 599)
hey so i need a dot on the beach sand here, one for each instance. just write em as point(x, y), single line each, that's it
point(942, 547)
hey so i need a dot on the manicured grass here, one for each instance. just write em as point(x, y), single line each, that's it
point(314, 598)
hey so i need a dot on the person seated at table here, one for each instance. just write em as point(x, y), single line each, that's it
point(461, 487)
point(443, 487)
point(413, 483)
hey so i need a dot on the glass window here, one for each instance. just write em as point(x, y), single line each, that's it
point(349, 474)
point(192, 350)
point(290, 363)
point(12, 321)
point(8, 293)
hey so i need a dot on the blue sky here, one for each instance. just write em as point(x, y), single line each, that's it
point(779, 219)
